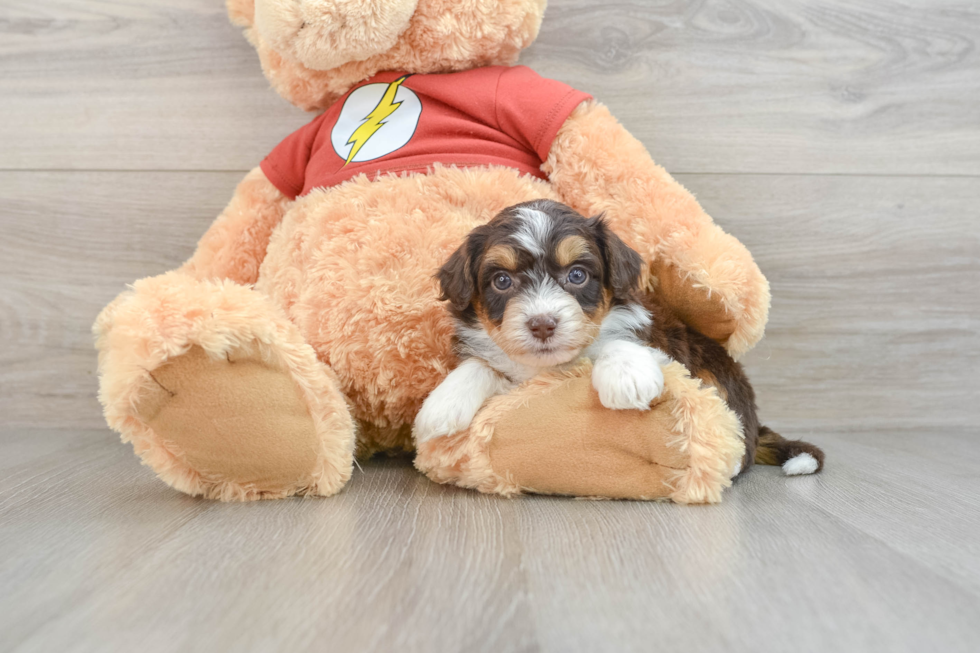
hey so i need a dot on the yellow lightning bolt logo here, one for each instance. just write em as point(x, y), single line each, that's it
point(374, 120)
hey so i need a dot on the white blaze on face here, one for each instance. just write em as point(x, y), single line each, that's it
point(534, 231)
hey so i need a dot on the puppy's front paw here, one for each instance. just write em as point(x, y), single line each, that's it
point(446, 411)
point(455, 402)
point(439, 417)
point(627, 375)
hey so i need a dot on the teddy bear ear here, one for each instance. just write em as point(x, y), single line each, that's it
point(241, 12)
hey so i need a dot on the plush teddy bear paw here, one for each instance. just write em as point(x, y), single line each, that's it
point(554, 436)
point(238, 424)
point(219, 394)
point(628, 375)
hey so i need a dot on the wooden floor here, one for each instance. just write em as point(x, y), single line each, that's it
point(839, 139)
point(880, 553)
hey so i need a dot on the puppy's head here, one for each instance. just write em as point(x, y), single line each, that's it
point(539, 278)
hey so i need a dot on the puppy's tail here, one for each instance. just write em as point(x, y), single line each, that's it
point(795, 456)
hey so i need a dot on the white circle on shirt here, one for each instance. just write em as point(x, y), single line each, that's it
point(376, 122)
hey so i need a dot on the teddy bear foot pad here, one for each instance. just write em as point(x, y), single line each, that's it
point(238, 419)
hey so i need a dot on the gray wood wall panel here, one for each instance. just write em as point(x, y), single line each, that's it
point(800, 86)
point(874, 323)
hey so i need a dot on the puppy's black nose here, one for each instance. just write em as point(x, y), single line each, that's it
point(542, 326)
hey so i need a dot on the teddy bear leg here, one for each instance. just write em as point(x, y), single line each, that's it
point(219, 394)
point(553, 436)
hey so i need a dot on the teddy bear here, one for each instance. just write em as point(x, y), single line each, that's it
point(306, 329)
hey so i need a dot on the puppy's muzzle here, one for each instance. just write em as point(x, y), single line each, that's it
point(542, 327)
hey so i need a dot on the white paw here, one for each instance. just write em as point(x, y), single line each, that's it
point(455, 402)
point(442, 414)
point(627, 375)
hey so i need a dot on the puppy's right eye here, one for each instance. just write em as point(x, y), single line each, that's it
point(502, 281)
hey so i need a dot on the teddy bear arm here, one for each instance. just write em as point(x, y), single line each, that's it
point(707, 276)
point(234, 246)
point(553, 436)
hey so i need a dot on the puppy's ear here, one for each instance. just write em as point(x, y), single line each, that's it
point(457, 277)
point(622, 264)
point(456, 280)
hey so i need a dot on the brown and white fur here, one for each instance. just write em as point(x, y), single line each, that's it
point(539, 287)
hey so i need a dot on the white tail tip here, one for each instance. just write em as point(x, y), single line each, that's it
point(799, 464)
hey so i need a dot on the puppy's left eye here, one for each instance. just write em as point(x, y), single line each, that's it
point(577, 276)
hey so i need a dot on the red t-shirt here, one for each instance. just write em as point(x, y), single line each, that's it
point(397, 123)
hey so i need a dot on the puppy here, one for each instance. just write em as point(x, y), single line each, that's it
point(538, 288)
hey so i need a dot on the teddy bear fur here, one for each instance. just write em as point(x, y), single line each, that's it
point(301, 333)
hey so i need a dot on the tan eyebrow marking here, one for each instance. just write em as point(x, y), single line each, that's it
point(502, 255)
point(570, 250)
